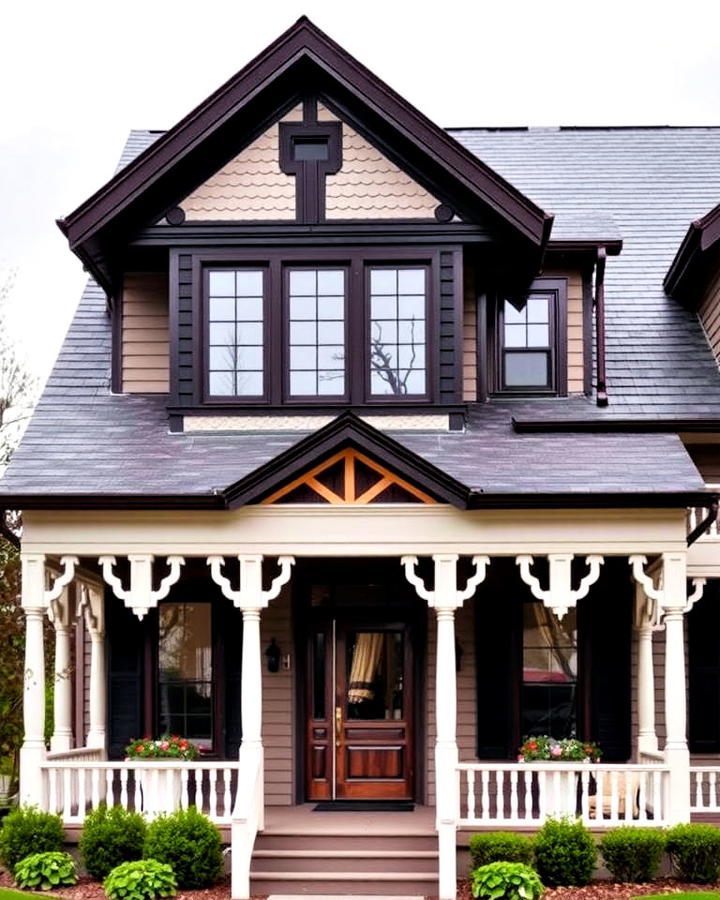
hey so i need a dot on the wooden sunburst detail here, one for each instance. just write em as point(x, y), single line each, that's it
point(348, 478)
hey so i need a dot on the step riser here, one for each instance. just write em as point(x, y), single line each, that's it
point(345, 842)
point(260, 887)
point(343, 866)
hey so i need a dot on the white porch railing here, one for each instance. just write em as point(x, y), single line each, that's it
point(73, 786)
point(704, 789)
point(697, 513)
point(526, 794)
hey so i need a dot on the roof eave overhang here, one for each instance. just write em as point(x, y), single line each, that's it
point(112, 501)
point(584, 500)
point(686, 268)
point(303, 41)
point(616, 426)
point(613, 246)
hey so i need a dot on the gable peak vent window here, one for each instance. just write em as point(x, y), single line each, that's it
point(310, 150)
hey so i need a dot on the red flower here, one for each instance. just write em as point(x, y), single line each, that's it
point(532, 745)
point(141, 749)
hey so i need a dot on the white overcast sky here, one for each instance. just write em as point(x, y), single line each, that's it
point(77, 75)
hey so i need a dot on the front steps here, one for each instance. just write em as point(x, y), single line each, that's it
point(359, 860)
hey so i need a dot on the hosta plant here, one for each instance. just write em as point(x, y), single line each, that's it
point(506, 881)
point(142, 879)
point(45, 871)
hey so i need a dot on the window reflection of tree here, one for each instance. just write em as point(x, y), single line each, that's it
point(381, 360)
point(185, 669)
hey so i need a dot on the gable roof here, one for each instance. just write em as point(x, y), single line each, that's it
point(156, 179)
point(687, 267)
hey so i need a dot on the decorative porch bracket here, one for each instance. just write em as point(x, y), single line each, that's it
point(560, 597)
point(140, 596)
point(250, 593)
point(672, 603)
point(445, 599)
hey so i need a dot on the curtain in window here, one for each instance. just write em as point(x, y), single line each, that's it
point(365, 663)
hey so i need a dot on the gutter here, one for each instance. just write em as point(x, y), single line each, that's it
point(706, 523)
point(602, 397)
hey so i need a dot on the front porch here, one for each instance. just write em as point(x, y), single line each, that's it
point(654, 787)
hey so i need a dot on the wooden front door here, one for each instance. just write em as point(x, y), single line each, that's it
point(360, 711)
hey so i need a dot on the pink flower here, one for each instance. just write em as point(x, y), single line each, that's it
point(164, 745)
point(556, 751)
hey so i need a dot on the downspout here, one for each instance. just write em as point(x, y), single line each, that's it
point(706, 523)
point(602, 397)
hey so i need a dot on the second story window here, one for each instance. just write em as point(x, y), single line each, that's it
point(289, 331)
point(530, 341)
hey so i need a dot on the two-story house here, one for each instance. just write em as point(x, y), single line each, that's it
point(368, 453)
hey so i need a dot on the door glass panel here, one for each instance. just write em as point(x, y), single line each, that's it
point(374, 675)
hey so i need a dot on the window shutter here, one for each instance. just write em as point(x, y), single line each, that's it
point(125, 676)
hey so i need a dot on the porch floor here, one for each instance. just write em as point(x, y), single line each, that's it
point(303, 818)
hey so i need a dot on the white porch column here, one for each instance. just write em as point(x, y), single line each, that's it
point(445, 599)
point(645, 625)
point(60, 612)
point(677, 757)
point(32, 752)
point(94, 613)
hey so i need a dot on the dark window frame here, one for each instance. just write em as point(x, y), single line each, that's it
point(276, 263)
point(557, 289)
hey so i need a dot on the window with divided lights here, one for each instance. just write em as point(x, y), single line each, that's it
point(550, 671)
point(353, 331)
point(531, 340)
point(185, 671)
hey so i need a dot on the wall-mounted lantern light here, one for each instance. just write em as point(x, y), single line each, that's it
point(273, 656)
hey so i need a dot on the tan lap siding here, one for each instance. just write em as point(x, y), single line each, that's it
point(277, 704)
point(145, 347)
point(709, 313)
point(575, 342)
point(466, 694)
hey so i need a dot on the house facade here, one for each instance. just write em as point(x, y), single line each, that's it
point(372, 449)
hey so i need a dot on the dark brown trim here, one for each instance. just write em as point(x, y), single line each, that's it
point(587, 307)
point(174, 321)
point(147, 186)
point(117, 313)
point(619, 425)
point(685, 271)
point(353, 232)
point(629, 500)
point(601, 386)
point(613, 246)
point(112, 501)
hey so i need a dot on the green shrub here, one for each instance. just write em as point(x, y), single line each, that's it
point(499, 846)
point(565, 853)
point(27, 830)
point(190, 843)
point(695, 852)
point(633, 854)
point(110, 836)
point(141, 879)
point(45, 871)
point(506, 881)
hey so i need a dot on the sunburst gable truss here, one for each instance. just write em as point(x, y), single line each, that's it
point(396, 463)
point(248, 103)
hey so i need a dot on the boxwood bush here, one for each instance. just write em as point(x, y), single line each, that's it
point(27, 830)
point(189, 842)
point(695, 852)
point(506, 881)
point(633, 854)
point(110, 836)
point(46, 871)
point(499, 846)
point(141, 879)
point(565, 853)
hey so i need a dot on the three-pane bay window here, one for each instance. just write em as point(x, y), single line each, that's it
point(355, 330)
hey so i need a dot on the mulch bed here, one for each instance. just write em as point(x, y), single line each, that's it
point(87, 889)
